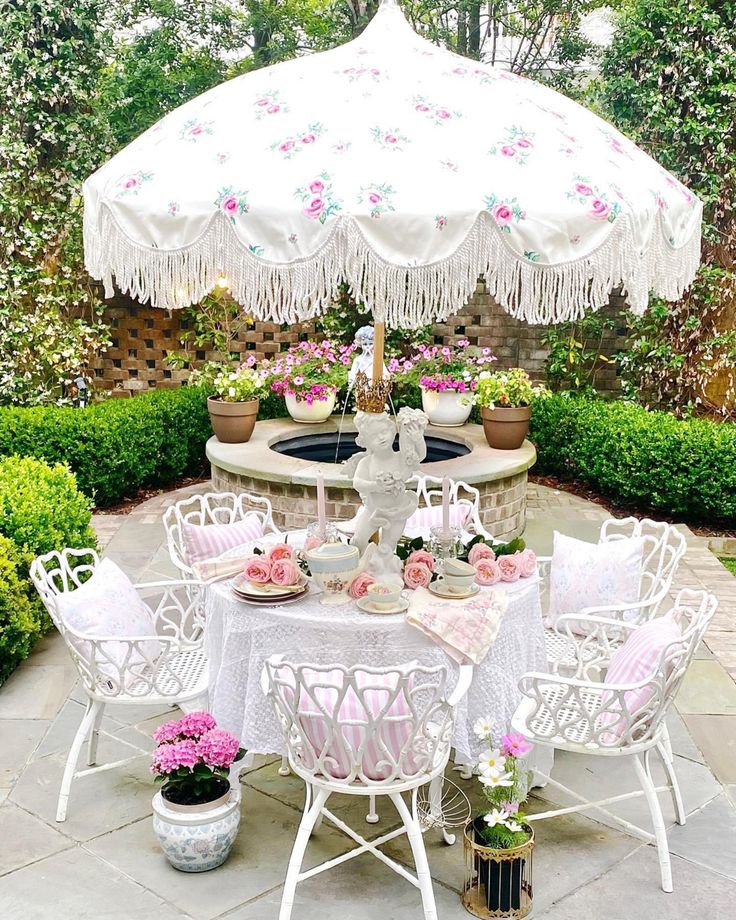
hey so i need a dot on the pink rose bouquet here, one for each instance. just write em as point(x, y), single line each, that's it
point(280, 551)
point(527, 562)
point(359, 585)
point(510, 568)
point(480, 551)
point(284, 572)
point(423, 556)
point(487, 572)
point(417, 575)
point(257, 569)
point(192, 759)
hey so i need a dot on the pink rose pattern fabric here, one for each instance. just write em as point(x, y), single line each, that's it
point(211, 162)
point(208, 541)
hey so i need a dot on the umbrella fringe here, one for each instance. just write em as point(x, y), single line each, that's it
point(401, 296)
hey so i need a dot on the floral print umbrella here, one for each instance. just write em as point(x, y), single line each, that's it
point(401, 168)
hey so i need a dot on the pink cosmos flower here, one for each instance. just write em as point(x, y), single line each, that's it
point(218, 748)
point(315, 207)
point(599, 209)
point(480, 551)
point(514, 745)
point(257, 569)
point(510, 568)
point(422, 556)
point(416, 575)
point(503, 214)
point(487, 572)
point(508, 151)
point(583, 189)
point(527, 562)
point(280, 551)
point(359, 585)
point(229, 204)
point(284, 572)
point(317, 187)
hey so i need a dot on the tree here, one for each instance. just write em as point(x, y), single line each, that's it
point(51, 138)
point(669, 81)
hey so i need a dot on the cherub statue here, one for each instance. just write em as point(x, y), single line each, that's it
point(364, 360)
point(380, 477)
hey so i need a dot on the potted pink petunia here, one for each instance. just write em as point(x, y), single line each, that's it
point(499, 842)
point(196, 814)
point(309, 376)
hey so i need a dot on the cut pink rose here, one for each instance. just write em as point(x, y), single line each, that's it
point(284, 572)
point(510, 568)
point(280, 551)
point(503, 214)
point(487, 572)
point(527, 562)
point(424, 557)
point(480, 551)
point(359, 585)
point(416, 575)
point(257, 569)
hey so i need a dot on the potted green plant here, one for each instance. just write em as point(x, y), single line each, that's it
point(309, 376)
point(505, 399)
point(499, 843)
point(196, 814)
point(234, 407)
point(447, 377)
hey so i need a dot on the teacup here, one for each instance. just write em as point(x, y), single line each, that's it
point(456, 584)
point(384, 595)
point(457, 567)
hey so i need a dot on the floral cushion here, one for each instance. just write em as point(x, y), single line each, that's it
point(419, 524)
point(586, 574)
point(107, 604)
point(211, 540)
point(638, 659)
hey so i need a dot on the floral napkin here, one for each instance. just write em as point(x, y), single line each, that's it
point(466, 629)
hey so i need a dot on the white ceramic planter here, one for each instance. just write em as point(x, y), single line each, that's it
point(197, 840)
point(319, 411)
point(447, 409)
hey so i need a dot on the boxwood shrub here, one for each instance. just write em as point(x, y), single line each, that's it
point(20, 624)
point(647, 459)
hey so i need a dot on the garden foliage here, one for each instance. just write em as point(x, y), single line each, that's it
point(648, 459)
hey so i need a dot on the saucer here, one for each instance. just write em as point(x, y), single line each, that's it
point(453, 595)
point(366, 605)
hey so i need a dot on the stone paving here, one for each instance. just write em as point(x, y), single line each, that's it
point(104, 862)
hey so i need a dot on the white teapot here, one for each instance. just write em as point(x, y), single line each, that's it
point(333, 567)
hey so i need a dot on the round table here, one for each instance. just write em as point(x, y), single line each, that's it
point(239, 637)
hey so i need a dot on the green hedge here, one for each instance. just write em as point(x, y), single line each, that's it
point(117, 446)
point(634, 456)
point(41, 509)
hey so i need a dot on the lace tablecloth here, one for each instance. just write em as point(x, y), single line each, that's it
point(239, 638)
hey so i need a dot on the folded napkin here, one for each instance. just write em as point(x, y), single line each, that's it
point(466, 629)
point(209, 570)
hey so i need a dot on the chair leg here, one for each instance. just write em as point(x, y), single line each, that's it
point(309, 818)
point(669, 766)
point(660, 832)
point(284, 768)
point(372, 816)
point(71, 762)
point(666, 740)
point(416, 841)
point(94, 737)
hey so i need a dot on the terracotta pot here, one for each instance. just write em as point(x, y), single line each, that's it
point(232, 422)
point(505, 429)
point(447, 409)
point(301, 411)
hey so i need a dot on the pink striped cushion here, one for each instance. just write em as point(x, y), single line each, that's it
point(355, 740)
point(638, 659)
point(424, 518)
point(212, 540)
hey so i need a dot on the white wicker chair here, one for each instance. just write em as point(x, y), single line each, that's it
point(174, 671)
point(586, 716)
point(664, 547)
point(331, 757)
point(211, 508)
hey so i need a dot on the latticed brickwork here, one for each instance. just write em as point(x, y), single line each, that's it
point(142, 337)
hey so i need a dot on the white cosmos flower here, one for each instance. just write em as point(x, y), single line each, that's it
point(491, 760)
point(495, 817)
point(495, 779)
point(483, 727)
point(513, 826)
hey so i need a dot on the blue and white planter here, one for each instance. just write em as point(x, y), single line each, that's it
point(196, 838)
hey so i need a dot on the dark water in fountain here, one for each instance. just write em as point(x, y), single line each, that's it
point(324, 448)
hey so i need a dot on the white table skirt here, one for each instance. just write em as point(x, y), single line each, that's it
point(240, 637)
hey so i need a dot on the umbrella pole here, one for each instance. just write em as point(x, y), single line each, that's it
point(379, 336)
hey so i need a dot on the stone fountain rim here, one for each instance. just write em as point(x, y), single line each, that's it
point(257, 460)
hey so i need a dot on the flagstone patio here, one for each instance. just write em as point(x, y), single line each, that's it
point(104, 860)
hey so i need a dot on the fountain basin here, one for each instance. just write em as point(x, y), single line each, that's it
point(281, 461)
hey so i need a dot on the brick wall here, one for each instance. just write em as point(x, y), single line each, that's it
point(142, 336)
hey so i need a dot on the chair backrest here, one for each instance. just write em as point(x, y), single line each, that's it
point(374, 726)
point(119, 665)
point(664, 547)
point(464, 505)
point(634, 714)
point(211, 508)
